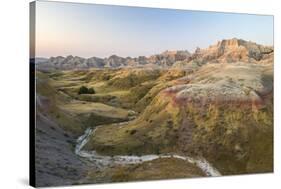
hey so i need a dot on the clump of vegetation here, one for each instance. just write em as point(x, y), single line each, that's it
point(133, 131)
point(85, 90)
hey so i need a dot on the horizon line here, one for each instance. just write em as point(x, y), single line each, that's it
point(115, 54)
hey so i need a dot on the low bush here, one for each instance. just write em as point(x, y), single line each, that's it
point(85, 90)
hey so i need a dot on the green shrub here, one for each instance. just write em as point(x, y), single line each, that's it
point(132, 132)
point(85, 90)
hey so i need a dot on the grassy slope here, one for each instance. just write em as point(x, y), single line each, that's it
point(131, 88)
point(235, 139)
point(150, 133)
point(62, 105)
point(53, 98)
point(120, 88)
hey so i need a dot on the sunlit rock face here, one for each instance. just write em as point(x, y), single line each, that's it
point(225, 51)
point(232, 50)
point(220, 84)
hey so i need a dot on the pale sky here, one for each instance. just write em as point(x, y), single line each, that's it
point(88, 30)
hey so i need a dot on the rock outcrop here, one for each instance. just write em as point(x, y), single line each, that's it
point(225, 51)
point(165, 59)
point(232, 50)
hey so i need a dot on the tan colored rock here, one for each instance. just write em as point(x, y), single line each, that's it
point(230, 51)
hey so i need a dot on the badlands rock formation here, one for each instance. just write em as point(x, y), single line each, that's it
point(233, 50)
point(225, 51)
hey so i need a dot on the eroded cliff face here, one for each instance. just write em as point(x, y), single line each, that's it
point(232, 50)
point(225, 51)
point(227, 116)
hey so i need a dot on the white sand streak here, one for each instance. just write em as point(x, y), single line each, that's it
point(201, 163)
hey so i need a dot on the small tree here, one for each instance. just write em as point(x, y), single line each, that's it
point(83, 90)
